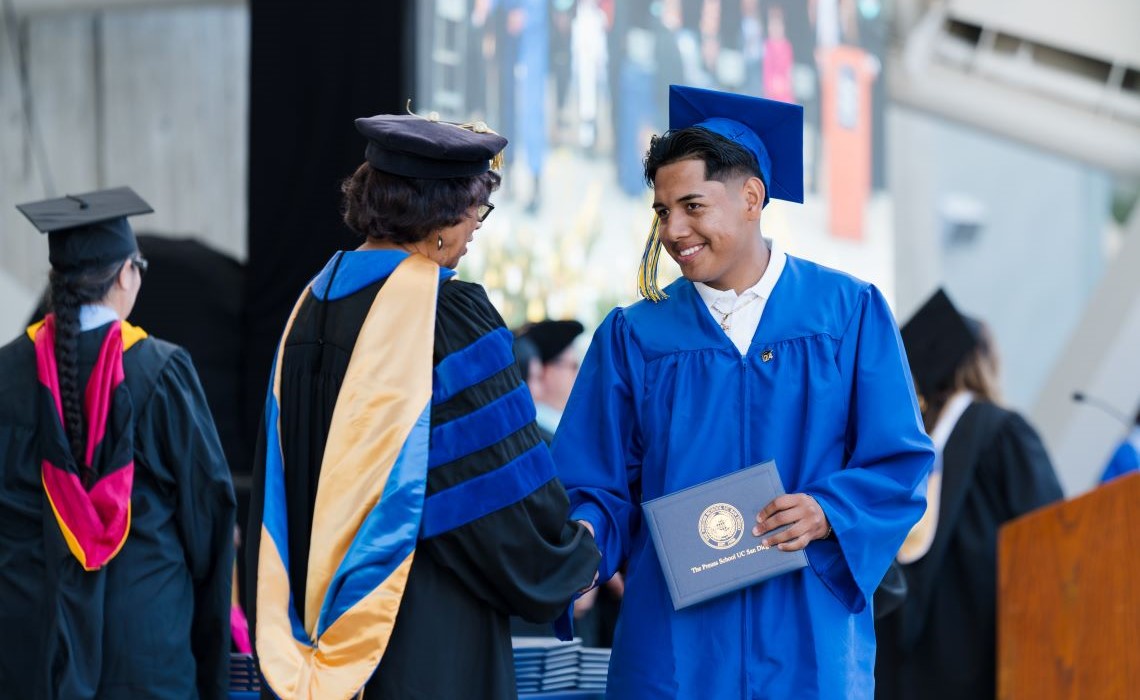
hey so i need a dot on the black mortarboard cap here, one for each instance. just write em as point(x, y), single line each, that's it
point(937, 339)
point(414, 146)
point(87, 230)
point(552, 337)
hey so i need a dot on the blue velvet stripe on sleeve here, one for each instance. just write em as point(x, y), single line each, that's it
point(480, 360)
point(485, 453)
point(482, 427)
point(487, 493)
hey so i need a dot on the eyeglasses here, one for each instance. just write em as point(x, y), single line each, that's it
point(484, 211)
point(140, 264)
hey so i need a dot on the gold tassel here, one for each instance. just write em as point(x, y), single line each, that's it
point(479, 127)
point(647, 271)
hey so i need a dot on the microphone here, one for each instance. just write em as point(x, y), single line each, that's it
point(1104, 406)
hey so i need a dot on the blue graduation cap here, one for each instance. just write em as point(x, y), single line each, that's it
point(772, 131)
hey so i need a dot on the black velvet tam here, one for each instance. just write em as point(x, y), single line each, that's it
point(413, 146)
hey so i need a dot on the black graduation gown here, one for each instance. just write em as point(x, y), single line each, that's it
point(941, 643)
point(153, 623)
point(452, 632)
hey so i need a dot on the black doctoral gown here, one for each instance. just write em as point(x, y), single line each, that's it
point(452, 635)
point(154, 622)
point(941, 643)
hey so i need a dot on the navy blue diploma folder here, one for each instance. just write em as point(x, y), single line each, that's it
point(703, 535)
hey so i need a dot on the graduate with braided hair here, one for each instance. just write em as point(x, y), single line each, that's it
point(116, 507)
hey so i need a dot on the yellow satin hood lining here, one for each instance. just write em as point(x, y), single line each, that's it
point(385, 390)
point(131, 333)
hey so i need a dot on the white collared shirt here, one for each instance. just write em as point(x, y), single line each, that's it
point(749, 306)
point(95, 315)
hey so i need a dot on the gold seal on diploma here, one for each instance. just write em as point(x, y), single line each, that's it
point(721, 526)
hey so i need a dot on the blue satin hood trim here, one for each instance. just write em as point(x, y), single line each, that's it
point(388, 534)
point(360, 268)
point(274, 516)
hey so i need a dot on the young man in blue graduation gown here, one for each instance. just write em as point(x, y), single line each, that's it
point(753, 355)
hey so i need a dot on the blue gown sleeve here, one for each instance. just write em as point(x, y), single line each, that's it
point(597, 448)
point(875, 499)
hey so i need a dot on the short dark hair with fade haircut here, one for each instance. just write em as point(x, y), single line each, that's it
point(723, 159)
point(400, 209)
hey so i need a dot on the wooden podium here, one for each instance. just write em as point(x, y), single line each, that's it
point(1069, 598)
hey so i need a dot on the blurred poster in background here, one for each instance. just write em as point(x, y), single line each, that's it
point(579, 87)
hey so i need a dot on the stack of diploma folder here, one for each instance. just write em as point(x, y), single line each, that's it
point(546, 665)
point(245, 682)
point(592, 667)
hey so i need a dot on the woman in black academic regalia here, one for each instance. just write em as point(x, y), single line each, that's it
point(116, 508)
point(991, 467)
point(404, 504)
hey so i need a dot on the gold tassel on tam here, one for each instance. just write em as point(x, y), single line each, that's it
point(478, 127)
point(647, 272)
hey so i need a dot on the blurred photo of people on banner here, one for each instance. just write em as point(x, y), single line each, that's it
point(579, 87)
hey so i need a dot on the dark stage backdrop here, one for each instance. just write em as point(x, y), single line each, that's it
point(314, 67)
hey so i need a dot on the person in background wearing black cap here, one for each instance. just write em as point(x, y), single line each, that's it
point(550, 386)
point(991, 467)
point(116, 510)
point(404, 505)
point(755, 355)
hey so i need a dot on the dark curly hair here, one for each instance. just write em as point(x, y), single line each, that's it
point(723, 159)
point(400, 209)
point(67, 292)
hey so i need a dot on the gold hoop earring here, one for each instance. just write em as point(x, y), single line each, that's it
point(439, 243)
